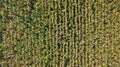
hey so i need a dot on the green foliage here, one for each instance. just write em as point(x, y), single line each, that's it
point(59, 33)
point(0, 26)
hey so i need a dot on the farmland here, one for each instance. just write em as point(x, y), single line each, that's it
point(59, 33)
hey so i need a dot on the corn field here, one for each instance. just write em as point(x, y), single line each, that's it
point(59, 33)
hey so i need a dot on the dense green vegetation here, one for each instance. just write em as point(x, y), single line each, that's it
point(59, 33)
